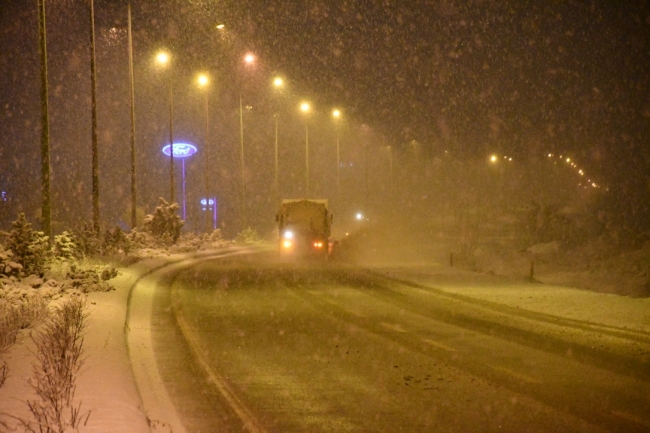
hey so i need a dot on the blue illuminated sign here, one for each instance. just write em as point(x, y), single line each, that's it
point(181, 150)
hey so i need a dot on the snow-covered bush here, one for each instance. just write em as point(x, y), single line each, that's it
point(248, 236)
point(30, 248)
point(188, 243)
point(19, 311)
point(216, 238)
point(90, 279)
point(59, 349)
point(8, 266)
point(115, 241)
point(164, 224)
point(67, 247)
point(141, 239)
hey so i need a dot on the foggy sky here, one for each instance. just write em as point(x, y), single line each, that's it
point(467, 77)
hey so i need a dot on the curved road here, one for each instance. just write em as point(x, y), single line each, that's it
point(250, 344)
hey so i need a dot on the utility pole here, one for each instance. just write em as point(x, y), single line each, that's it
point(46, 210)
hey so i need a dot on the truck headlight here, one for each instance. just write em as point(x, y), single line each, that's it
point(287, 234)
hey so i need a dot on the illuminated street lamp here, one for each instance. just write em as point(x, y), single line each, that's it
point(163, 59)
point(203, 82)
point(306, 108)
point(336, 115)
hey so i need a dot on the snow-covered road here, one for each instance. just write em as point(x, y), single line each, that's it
point(108, 388)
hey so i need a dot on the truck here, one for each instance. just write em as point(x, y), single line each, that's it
point(304, 227)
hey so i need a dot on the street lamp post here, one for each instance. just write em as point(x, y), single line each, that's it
point(278, 83)
point(203, 82)
point(134, 220)
point(243, 169)
point(164, 59)
point(249, 59)
point(306, 108)
point(336, 114)
point(365, 129)
point(95, 152)
point(390, 161)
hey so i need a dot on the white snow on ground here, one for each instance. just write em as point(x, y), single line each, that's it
point(584, 305)
point(107, 387)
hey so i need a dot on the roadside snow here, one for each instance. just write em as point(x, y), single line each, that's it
point(584, 305)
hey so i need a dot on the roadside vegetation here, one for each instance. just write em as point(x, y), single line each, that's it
point(43, 287)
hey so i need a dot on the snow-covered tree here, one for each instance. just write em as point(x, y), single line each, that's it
point(30, 248)
point(116, 241)
point(88, 240)
point(8, 266)
point(66, 246)
point(164, 224)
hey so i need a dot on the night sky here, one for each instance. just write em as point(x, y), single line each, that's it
point(522, 78)
point(476, 76)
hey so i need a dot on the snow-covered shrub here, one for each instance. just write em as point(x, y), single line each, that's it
point(188, 243)
point(59, 349)
point(164, 224)
point(30, 248)
point(8, 266)
point(90, 279)
point(140, 239)
point(19, 311)
point(248, 236)
point(115, 241)
point(67, 247)
point(216, 238)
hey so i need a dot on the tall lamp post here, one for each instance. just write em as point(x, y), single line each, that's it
point(249, 59)
point(336, 115)
point(164, 59)
point(134, 220)
point(203, 82)
point(278, 83)
point(93, 93)
point(390, 161)
point(305, 107)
